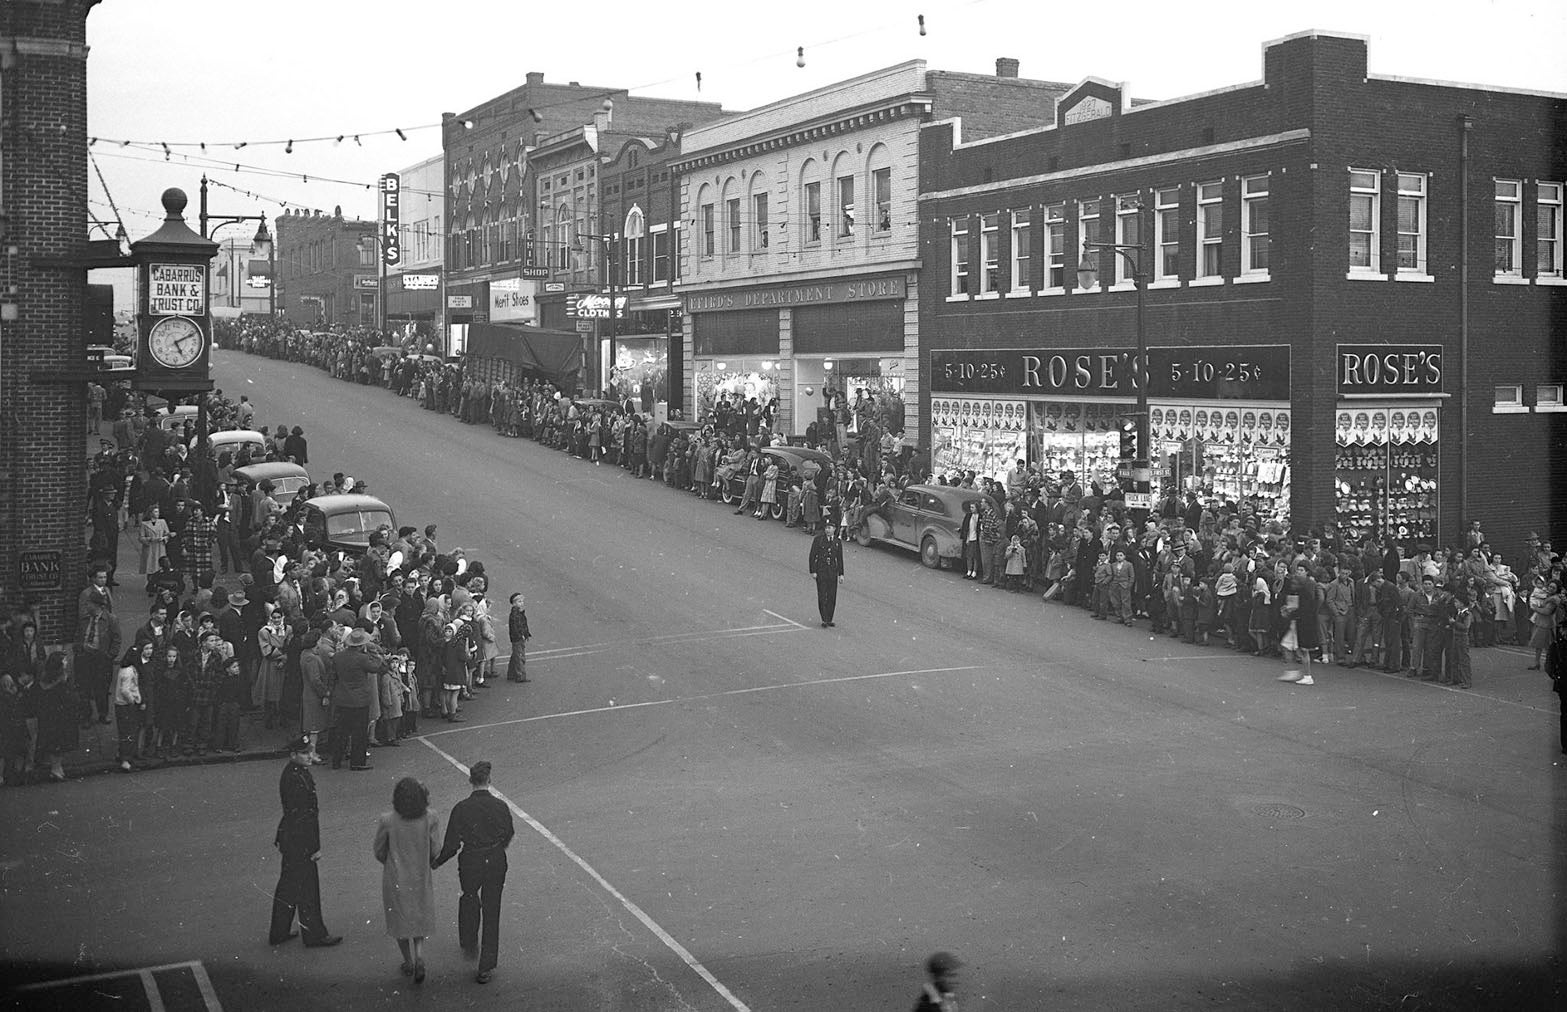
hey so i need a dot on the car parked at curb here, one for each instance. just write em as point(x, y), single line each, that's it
point(923, 518)
point(344, 522)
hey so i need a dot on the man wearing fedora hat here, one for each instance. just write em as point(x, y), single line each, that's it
point(356, 674)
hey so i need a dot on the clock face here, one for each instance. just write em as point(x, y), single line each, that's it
point(175, 342)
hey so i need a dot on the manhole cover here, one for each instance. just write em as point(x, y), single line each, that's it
point(1275, 810)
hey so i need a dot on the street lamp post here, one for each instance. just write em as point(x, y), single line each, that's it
point(1087, 275)
point(261, 243)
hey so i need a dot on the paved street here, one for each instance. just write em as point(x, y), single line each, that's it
point(728, 807)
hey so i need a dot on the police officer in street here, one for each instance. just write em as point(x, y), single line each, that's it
point(299, 840)
point(480, 827)
point(826, 567)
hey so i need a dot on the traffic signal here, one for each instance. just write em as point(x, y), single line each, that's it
point(1129, 439)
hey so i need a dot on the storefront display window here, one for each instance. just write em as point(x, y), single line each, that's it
point(641, 370)
point(1082, 438)
point(741, 378)
point(1387, 471)
point(982, 435)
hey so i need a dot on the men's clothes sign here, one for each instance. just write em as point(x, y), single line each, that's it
point(1373, 425)
point(1207, 423)
point(977, 434)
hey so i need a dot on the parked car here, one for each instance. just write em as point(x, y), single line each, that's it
point(230, 441)
point(923, 518)
point(176, 417)
point(344, 523)
point(790, 460)
point(287, 478)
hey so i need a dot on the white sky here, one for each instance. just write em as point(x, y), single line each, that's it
point(225, 71)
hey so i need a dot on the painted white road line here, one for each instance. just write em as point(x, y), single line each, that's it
point(204, 984)
point(635, 911)
point(154, 996)
point(783, 618)
point(144, 976)
point(582, 649)
point(697, 698)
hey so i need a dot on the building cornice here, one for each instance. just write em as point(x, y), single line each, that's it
point(838, 122)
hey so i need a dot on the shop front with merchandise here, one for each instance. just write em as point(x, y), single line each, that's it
point(1386, 426)
point(811, 344)
point(1218, 417)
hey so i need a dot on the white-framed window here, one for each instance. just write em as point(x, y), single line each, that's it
point(708, 225)
point(759, 222)
point(1210, 230)
point(990, 253)
point(881, 191)
point(563, 237)
point(1548, 397)
point(1255, 243)
point(1509, 217)
point(659, 236)
point(1548, 230)
point(634, 238)
point(1167, 233)
point(1022, 251)
point(845, 207)
point(1088, 233)
point(1128, 232)
point(959, 232)
point(1509, 398)
point(733, 211)
point(1365, 220)
point(1055, 244)
point(1411, 223)
point(813, 212)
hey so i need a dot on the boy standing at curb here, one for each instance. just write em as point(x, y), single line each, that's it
point(517, 627)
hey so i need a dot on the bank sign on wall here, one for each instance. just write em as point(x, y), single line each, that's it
point(515, 300)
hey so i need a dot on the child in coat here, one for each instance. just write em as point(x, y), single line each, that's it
point(517, 629)
point(1207, 609)
point(1103, 574)
point(1016, 562)
point(1191, 601)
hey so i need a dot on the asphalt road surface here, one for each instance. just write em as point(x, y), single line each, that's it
point(723, 806)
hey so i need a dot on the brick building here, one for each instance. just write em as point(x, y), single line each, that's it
point(799, 266)
point(43, 282)
point(496, 200)
point(1353, 304)
point(414, 288)
point(328, 273)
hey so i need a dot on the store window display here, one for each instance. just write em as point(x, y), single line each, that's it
point(741, 379)
point(1387, 474)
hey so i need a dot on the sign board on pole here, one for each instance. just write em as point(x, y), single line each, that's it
point(584, 326)
point(176, 289)
point(554, 286)
point(391, 192)
point(1139, 500)
point(459, 302)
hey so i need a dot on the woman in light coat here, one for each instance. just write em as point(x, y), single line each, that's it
point(406, 839)
point(316, 692)
point(153, 533)
point(273, 643)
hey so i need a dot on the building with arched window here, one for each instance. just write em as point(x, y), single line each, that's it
point(799, 267)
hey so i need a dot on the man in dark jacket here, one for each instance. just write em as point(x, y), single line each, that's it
point(480, 828)
point(826, 568)
point(298, 839)
point(355, 679)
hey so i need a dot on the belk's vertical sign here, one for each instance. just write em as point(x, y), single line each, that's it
point(391, 252)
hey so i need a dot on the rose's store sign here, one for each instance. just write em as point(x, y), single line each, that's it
point(1250, 372)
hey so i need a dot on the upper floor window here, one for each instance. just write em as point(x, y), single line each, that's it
point(959, 258)
point(1255, 243)
point(813, 212)
point(845, 206)
point(634, 237)
point(660, 240)
point(1210, 230)
point(1088, 231)
point(1365, 220)
point(759, 222)
point(881, 190)
point(367, 255)
point(1548, 230)
point(1022, 252)
point(1411, 223)
point(733, 210)
point(707, 230)
point(1055, 240)
point(1509, 211)
point(1128, 232)
point(1167, 233)
point(990, 253)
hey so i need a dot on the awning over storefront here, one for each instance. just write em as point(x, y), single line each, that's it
point(554, 354)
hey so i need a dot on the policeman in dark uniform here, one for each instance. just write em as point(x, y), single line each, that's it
point(480, 827)
point(826, 567)
point(299, 840)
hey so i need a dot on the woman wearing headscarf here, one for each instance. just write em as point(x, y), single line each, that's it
point(128, 705)
point(316, 691)
point(272, 642)
point(429, 664)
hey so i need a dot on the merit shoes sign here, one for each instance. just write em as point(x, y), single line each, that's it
point(514, 299)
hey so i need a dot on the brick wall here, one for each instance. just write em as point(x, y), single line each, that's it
point(44, 189)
